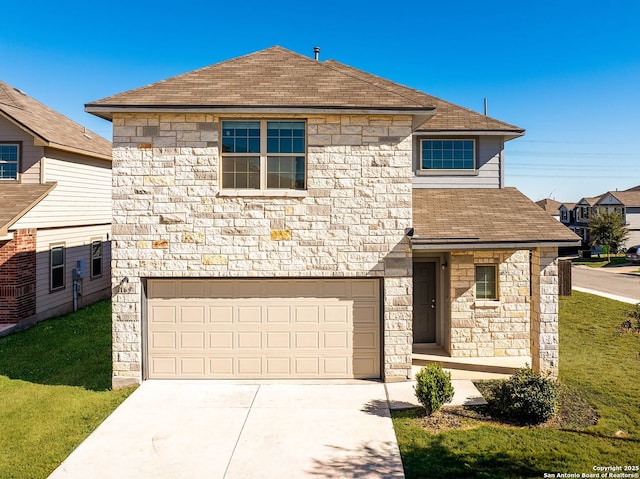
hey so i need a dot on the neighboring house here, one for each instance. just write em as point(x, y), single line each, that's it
point(582, 211)
point(627, 204)
point(281, 217)
point(567, 214)
point(55, 190)
point(550, 206)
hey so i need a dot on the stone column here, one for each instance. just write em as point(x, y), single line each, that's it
point(544, 311)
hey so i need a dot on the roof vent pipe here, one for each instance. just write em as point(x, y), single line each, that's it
point(316, 53)
point(485, 106)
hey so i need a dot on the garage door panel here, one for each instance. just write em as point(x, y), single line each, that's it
point(164, 314)
point(163, 340)
point(337, 314)
point(221, 340)
point(192, 314)
point(278, 314)
point(221, 314)
point(265, 328)
point(278, 340)
point(190, 340)
point(307, 314)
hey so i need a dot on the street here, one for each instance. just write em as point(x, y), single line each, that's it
point(612, 280)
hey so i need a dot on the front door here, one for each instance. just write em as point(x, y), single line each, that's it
point(424, 302)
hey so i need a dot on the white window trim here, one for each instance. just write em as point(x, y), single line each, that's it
point(263, 190)
point(18, 145)
point(490, 302)
point(461, 171)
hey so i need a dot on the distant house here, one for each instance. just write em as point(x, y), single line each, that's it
point(567, 214)
point(550, 206)
point(627, 204)
point(583, 210)
point(55, 220)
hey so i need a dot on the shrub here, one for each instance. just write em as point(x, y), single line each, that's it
point(526, 398)
point(433, 387)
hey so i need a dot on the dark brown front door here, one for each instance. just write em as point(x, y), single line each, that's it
point(424, 302)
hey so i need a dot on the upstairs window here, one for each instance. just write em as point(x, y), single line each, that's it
point(448, 155)
point(9, 155)
point(263, 154)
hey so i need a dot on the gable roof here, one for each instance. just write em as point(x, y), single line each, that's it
point(549, 205)
point(17, 199)
point(568, 206)
point(590, 200)
point(279, 78)
point(635, 188)
point(49, 127)
point(628, 198)
point(478, 218)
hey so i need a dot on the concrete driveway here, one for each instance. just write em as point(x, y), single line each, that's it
point(218, 429)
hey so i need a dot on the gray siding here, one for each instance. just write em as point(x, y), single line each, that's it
point(633, 222)
point(31, 155)
point(77, 243)
point(489, 173)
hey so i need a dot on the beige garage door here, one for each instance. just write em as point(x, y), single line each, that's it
point(263, 328)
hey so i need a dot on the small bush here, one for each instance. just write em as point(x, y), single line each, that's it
point(433, 387)
point(526, 398)
point(631, 325)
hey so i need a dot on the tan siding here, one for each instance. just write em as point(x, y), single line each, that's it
point(489, 171)
point(77, 243)
point(31, 155)
point(82, 196)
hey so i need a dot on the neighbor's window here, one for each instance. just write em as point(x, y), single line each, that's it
point(263, 154)
point(9, 154)
point(57, 268)
point(96, 258)
point(447, 155)
point(486, 287)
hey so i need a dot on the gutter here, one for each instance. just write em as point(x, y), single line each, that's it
point(443, 246)
point(419, 114)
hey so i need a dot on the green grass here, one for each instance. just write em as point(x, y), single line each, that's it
point(54, 390)
point(600, 262)
point(596, 364)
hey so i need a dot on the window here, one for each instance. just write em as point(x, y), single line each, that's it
point(263, 154)
point(57, 268)
point(447, 155)
point(486, 282)
point(9, 155)
point(96, 258)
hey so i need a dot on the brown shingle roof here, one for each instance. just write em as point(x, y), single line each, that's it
point(629, 198)
point(549, 205)
point(483, 216)
point(17, 199)
point(53, 128)
point(277, 77)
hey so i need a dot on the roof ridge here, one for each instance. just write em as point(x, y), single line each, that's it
point(6, 88)
point(328, 64)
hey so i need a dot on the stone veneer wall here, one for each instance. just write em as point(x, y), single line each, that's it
point(544, 311)
point(170, 220)
point(490, 328)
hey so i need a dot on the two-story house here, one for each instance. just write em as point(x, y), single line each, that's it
point(55, 220)
point(277, 216)
point(627, 204)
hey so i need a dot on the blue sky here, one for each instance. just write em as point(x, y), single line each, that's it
point(567, 71)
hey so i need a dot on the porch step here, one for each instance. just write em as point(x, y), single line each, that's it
point(468, 368)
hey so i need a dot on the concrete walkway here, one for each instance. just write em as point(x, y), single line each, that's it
point(227, 430)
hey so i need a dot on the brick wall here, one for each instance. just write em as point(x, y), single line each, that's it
point(170, 218)
point(18, 276)
point(490, 328)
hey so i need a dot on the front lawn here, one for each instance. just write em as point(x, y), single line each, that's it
point(601, 261)
point(598, 368)
point(54, 390)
